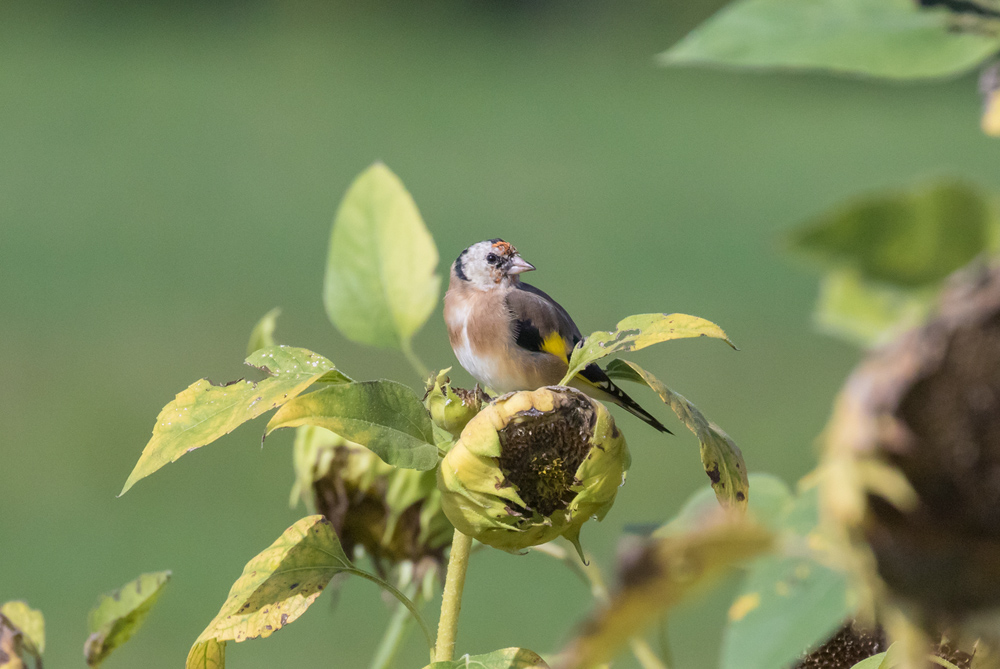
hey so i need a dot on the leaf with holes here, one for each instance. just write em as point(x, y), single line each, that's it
point(30, 621)
point(720, 455)
point(637, 332)
point(880, 38)
point(381, 283)
point(280, 583)
point(659, 575)
point(119, 614)
point(508, 658)
point(204, 411)
point(384, 416)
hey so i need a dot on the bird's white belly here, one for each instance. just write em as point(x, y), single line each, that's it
point(484, 369)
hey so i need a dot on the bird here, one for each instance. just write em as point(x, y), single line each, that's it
point(512, 336)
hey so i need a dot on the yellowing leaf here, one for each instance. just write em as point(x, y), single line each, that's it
point(119, 614)
point(508, 658)
point(204, 412)
point(209, 654)
point(384, 416)
point(720, 455)
point(30, 621)
point(12, 643)
point(262, 334)
point(381, 284)
point(637, 332)
point(280, 583)
point(661, 574)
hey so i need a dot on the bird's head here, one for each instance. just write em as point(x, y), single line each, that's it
point(489, 263)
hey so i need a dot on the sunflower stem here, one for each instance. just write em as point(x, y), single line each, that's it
point(396, 632)
point(451, 603)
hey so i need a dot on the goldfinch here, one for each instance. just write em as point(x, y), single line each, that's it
point(512, 336)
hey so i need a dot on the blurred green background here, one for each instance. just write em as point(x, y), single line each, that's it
point(169, 172)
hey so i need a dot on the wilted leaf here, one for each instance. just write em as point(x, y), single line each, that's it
point(262, 334)
point(380, 284)
point(659, 576)
point(640, 331)
point(204, 411)
point(384, 416)
point(209, 654)
point(280, 583)
point(119, 614)
point(788, 603)
point(878, 38)
point(720, 455)
point(30, 621)
point(867, 313)
point(909, 239)
point(12, 645)
point(508, 658)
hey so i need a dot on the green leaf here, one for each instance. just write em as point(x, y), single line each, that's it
point(204, 411)
point(720, 455)
point(381, 284)
point(280, 583)
point(788, 602)
point(119, 614)
point(30, 621)
point(879, 38)
point(639, 331)
point(661, 574)
point(262, 334)
point(873, 662)
point(384, 416)
point(210, 654)
point(508, 658)
point(867, 313)
point(910, 239)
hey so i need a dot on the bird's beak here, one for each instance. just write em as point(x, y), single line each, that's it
point(518, 265)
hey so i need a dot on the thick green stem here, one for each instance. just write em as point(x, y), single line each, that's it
point(396, 632)
point(451, 603)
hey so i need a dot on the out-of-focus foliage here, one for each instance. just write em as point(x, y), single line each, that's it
point(508, 658)
point(381, 285)
point(29, 621)
point(886, 255)
point(119, 614)
point(894, 39)
point(262, 334)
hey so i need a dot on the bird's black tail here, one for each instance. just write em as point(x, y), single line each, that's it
point(596, 377)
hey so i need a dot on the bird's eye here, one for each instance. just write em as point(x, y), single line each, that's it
point(491, 258)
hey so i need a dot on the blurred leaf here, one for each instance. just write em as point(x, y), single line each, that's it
point(119, 614)
point(768, 506)
point(659, 576)
point(508, 658)
point(720, 455)
point(12, 648)
point(384, 416)
point(873, 662)
point(879, 38)
point(788, 602)
point(204, 411)
point(640, 331)
point(210, 654)
point(381, 284)
point(910, 238)
point(312, 454)
point(867, 313)
point(280, 583)
point(30, 621)
point(262, 334)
